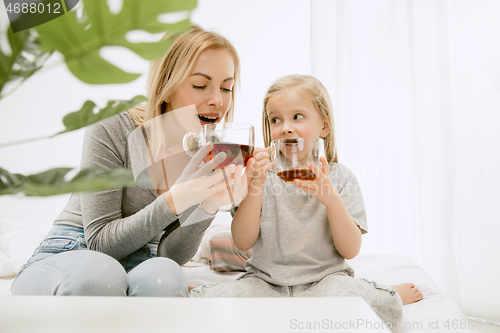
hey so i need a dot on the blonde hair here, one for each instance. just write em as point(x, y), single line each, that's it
point(167, 73)
point(320, 99)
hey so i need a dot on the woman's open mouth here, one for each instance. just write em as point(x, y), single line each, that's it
point(290, 142)
point(208, 119)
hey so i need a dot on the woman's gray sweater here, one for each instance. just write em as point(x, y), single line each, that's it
point(121, 221)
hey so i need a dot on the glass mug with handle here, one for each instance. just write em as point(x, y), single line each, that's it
point(235, 139)
point(290, 157)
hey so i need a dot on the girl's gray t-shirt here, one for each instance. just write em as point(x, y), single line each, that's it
point(295, 244)
point(121, 221)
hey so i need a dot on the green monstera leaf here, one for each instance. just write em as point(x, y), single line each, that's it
point(86, 116)
point(81, 39)
point(52, 182)
point(16, 42)
point(28, 56)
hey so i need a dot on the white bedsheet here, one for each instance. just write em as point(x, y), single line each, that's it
point(435, 313)
point(17, 242)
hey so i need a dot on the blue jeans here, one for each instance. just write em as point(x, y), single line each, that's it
point(63, 265)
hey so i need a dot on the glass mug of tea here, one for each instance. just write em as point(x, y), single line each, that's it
point(234, 139)
point(290, 157)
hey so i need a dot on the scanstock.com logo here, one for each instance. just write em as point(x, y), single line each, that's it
point(26, 14)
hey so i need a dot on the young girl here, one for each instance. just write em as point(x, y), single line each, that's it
point(302, 232)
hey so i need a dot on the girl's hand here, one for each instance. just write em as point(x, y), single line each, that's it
point(259, 165)
point(235, 190)
point(321, 187)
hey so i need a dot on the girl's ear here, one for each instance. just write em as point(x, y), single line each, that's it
point(325, 130)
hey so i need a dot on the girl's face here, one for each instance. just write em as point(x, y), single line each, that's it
point(292, 114)
point(208, 86)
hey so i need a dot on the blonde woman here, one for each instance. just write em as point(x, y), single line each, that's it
point(106, 243)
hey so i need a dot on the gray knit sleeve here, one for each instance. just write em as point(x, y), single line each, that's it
point(181, 240)
point(107, 228)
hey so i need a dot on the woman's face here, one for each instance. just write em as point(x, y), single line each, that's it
point(209, 86)
point(292, 114)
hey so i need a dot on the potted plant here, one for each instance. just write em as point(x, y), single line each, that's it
point(78, 36)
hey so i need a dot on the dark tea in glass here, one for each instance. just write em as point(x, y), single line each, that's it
point(301, 174)
point(236, 154)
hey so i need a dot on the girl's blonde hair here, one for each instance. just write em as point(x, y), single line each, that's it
point(320, 99)
point(167, 73)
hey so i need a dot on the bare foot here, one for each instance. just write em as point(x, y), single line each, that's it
point(408, 292)
point(190, 286)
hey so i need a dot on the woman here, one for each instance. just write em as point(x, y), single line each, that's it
point(105, 243)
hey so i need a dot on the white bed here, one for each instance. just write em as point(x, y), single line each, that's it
point(435, 313)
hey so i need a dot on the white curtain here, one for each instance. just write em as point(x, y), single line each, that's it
point(416, 93)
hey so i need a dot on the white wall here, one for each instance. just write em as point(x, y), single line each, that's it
point(272, 39)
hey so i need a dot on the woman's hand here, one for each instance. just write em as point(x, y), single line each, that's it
point(321, 187)
point(235, 190)
point(198, 181)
